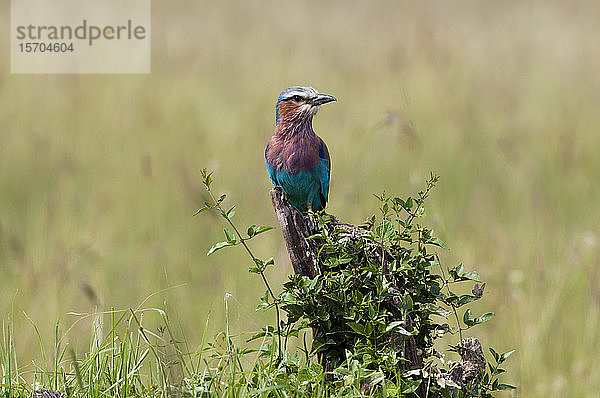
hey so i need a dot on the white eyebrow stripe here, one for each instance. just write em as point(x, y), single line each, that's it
point(303, 93)
point(300, 93)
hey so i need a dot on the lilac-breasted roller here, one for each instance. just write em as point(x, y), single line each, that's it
point(297, 159)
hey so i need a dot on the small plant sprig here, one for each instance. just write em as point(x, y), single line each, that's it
point(490, 379)
point(236, 238)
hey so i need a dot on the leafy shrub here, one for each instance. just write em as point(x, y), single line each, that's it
point(380, 301)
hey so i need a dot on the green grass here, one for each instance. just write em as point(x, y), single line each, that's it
point(100, 174)
point(127, 358)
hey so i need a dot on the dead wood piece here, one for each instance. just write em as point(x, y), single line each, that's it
point(471, 366)
point(295, 231)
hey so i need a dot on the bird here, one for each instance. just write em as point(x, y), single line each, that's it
point(297, 158)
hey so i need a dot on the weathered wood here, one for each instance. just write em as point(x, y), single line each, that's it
point(472, 365)
point(295, 230)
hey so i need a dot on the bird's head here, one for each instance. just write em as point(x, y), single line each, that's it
point(299, 104)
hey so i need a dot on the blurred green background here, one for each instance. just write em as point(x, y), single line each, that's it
point(99, 174)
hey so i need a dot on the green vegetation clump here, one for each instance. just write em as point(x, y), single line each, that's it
point(378, 291)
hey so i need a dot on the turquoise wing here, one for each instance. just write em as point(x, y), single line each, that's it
point(270, 168)
point(324, 172)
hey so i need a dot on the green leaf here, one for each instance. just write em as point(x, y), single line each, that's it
point(468, 318)
point(408, 301)
point(385, 230)
point(472, 275)
point(437, 242)
point(410, 386)
point(464, 299)
point(263, 306)
point(380, 198)
point(254, 230)
point(344, 258)
point(262, 333)
point(206, 177)
point(319, 344)
point(484, 318)
point(200, 210)
point(495, 354)
point(357, 327)
point(396, 326)
point(503, 386)
point(446, 393)
point(217, 246)
point(457, 272)
point(288, 297)
point(230, 236)
point(260, 266)
point(506, 355)
point(230, 213)
point(263, 228)
point(398, 202)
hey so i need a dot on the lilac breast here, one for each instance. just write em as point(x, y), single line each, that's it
point(301, 154)
point(294, 148)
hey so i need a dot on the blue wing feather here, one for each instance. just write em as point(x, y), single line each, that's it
point(325, 172)
point(270, 169)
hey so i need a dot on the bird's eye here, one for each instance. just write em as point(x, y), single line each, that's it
point(297, 98)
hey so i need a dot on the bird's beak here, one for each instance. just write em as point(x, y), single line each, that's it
point(322, 99)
